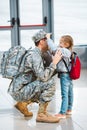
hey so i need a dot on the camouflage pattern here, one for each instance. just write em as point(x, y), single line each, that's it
point(38, 84)
point(13, 61)
point(1, 56)
point(39, 35)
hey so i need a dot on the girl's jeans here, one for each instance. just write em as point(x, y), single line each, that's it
point(66, 92)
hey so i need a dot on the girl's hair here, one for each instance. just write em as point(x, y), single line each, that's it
point(68, 39)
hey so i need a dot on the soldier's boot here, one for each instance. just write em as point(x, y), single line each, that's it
point(43, 116)
point(22, 107)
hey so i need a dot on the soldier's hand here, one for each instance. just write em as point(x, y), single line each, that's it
point(57, 57)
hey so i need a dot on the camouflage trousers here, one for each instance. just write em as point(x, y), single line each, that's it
point(36, 91)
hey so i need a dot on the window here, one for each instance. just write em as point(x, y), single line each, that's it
point(26, 38)
point(5, 40)
point(30, 12)
point(5, 36)
point(4, 13)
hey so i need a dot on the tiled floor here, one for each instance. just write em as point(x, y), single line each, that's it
point(11, 119)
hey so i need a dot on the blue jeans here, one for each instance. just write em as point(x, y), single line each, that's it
point(66, 92)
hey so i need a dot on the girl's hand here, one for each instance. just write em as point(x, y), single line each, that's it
point(48, 35)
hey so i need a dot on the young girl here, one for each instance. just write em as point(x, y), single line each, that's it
point(65, 45)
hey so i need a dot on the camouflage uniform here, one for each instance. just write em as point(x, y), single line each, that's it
point(1, 56)
point(36, 85)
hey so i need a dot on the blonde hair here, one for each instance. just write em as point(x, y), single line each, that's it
point(68, 39)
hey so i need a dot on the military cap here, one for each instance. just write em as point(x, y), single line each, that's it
point(39, 35)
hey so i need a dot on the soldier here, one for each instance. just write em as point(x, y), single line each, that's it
point(37, 85)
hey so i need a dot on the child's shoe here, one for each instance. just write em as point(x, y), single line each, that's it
point(61, 116)
point(69, 112)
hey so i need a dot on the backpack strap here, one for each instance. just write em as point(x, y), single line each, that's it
point(65, 64)
point(73, 56)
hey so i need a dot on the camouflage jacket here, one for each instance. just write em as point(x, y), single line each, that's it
point(33, 62)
